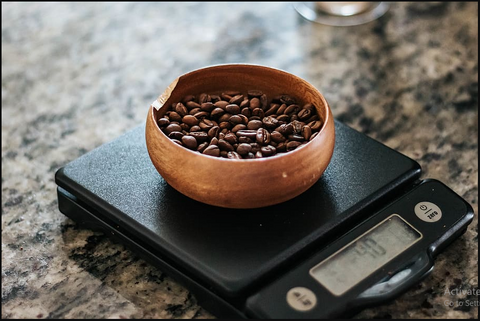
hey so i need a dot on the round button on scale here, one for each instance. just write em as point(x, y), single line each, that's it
point(428, 212)
point(301, 299)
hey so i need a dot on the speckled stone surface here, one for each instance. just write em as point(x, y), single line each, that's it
point(77, 75)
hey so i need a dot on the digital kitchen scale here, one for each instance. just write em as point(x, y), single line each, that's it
point(363, 234)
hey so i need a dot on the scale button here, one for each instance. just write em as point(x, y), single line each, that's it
point(301, 299)
point(428, 212)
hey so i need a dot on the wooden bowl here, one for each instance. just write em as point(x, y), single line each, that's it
point(246, 183)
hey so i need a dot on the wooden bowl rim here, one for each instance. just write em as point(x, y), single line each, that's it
point(265, 160)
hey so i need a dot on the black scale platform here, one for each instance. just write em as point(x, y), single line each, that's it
point(224, 255)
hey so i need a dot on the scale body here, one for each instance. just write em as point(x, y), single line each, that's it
point(291, 260)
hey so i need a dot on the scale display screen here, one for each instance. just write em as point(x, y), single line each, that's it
point(366, 254)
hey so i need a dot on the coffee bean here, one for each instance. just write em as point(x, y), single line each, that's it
point(201, 114)
point(192, 105)
point(174, 116)
point(223, 153)
point(277, 137)
point(194, 111)
point(304, 114)
point(284, 118)
point(236, 99)
point(254, 124)
point(212, 150)
point(258, 154)
point(217, 112)
point(252, 134)
point(297, 126)
point(296, 138)
point(221, 104)
point(232, 109)
point(224, 145)
point(172, 128)
point(292, 145)
point(190, 120)
point(213, 141)
point(268, 150)
point(231, 138)
point(177, 141)
point(208, 106)
point(281, 147)
point(254, 103)
point(215, 98)
point(236, 119)
point(272, 110)
point(185, 127)
point(255, 147)
point(203, 98)
point(263, 136)
point(250, 156)
point(232, 92)
point(292, 109)
point(189, 142)
point(226, 97)
point(213, 132)
point(224, 117)
point(286, 99)
point(244, 149)
point(254, 93)
point(270, 122)
point(306, 132)
point(225, 125)
point(238, 127)
point(199, 136)
point(175, 135)
point(310, 107)
point(206, 124)
point(245, 103)
point(195, 129)
point(181, 109)
point(245, 140)
point(314, 117)
point(246, 112)
point(244, 119)
point(258, 112)
point(315, 125)
point(163, 122)
point(234, 155)
point(202, 147)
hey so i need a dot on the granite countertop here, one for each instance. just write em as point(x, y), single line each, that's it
point(77, 75)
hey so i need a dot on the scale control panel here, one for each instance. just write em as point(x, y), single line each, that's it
point(372, 263)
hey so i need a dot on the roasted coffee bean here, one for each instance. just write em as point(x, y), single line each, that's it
point(292, 109)
point(224, 131)
point(223, 153)
point(238, 127)
point(203, 98)
point(286, 99)
point(254, 103)
point(304, 114)
point(185, 127)
point(246, 112)
point(192, 105)
point(232, 109)
point(215, 98)
point(206, 124)
point(252, 134)
point(254, 124)
point(234, 155)
point(221, 104)
point(310, 107)
point(258, 154)
point(255, 147)
point(263, 102)
point(244, 119)
point(244, 149)
point(195, 128)
point(200, 136)
point(225, 125)
point(245, 140)
point(194, 111)
point(224, 145)
point(277, 137)
point(306, 132)
point(163, 122)
point(314, 117)
point(172, 128)
point(263, 136)
point(224, 117)
point(174, 116)
point(313, 136)
point(232, 92)
point(281, 147)
point(177, 141)
point(213, 132)
point(208, 106)
point(190, 120)
point(175, 135)
point(250, 156)
point(272, 110)
point(236, 119)
point(188, 98)
point(270, 122)
point(296, 137)
point(268, 150)
point(297, 126)
point(281, 109)
point(212, 150)
point(201, 114)
point(293, 117)
point(254, 93)
point(213, 141)
point(181, 109)
point(245, 103)
point(258, 112)
point(202, 147)
point(284, 118)
point(189, 142)
point(217, 112)
point(315, 125)
point(292, 145)
point(231, 138)
point(226, 97)
point(236, 99)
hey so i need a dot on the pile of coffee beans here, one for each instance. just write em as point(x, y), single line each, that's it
point(239, 125)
